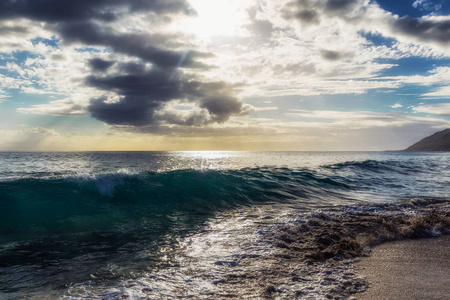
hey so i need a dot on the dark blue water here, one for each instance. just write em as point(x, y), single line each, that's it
point(99, 219)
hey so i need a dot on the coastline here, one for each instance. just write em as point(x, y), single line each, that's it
point(407, 269)
point(311, 255)
point(316, 254)
point(320, 253)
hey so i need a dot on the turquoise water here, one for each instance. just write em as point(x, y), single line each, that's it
point(97, 219)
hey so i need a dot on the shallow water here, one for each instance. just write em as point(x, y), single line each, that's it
point(86, 224)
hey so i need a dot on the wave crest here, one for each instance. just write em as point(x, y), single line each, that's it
point(104, 201)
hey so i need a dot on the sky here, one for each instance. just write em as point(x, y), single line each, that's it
point(291, 75)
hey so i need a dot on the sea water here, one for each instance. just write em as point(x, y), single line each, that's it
point(155, 225)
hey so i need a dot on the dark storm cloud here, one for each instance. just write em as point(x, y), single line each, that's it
point(307, 16)
point(425, 30)
point(334, 55)
point(330, 55)
point(302, 10)
point(143, 94)
point(221, 106)
point(90, 22)
point(156, 84)
point(13, 30)
point(98, 64)
point(137, 92)
point(310, 11)
point(135, 68)
point(80, 10)
point(340, 5)
point(131, 110)
point(132, 44)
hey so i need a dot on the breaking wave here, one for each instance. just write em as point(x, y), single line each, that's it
point(101, 202)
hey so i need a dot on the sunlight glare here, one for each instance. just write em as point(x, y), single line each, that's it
point(216, 18)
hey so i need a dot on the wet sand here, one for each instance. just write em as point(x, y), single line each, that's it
point(409, 269)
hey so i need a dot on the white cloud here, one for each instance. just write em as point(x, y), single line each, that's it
point(442, 109)
point(40, 131)
point(16, 35)
point(438, 78)
point(358, 119)
point(316, 58)
point(426, 5)
point(65, 107)
point(441, 92)
point(3, 96)
point(396, 105)
point(265, 108)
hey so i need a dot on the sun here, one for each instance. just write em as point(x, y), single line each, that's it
point(216, 18)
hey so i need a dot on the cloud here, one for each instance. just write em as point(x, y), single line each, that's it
point(81, 10)
point(41, 131)
point(341, 5)
point(98, 64)
point(426, 5)
point(265, 108)
point(333, 55)
point(139, 71)
point(142, 94)
point(437, 79)
point(436, 76)
point(88, 22)
point(442, 109)
point(306, 130)
point(259, 27)
point(360, 120)
point(13, 30)
point(441, 92)
point(367, 16)
point(315, 11)
point(3, 96)
point(29, 139)
point(324, 87)
point(131, 67)
point(426, 29)
point(139, 45)
point(65, 107)
point(396, 105)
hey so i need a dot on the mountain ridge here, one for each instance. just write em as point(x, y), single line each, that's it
point(439, 141)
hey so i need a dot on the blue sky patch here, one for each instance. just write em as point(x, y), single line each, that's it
point(412, 66)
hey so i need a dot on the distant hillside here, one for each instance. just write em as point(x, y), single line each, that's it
point(440, 141)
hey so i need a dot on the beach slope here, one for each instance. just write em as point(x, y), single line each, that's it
point(409, 269)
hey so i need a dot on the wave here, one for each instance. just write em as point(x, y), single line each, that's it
point(106, 201)
point(118, 225)
point(380, 166)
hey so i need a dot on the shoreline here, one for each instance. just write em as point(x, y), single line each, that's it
point(322, 249)
point(407, 269)
point(310, 255)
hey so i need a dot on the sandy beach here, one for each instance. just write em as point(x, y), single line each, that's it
point(409, 269)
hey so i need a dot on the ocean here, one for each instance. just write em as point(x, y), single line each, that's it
point(206, 225)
